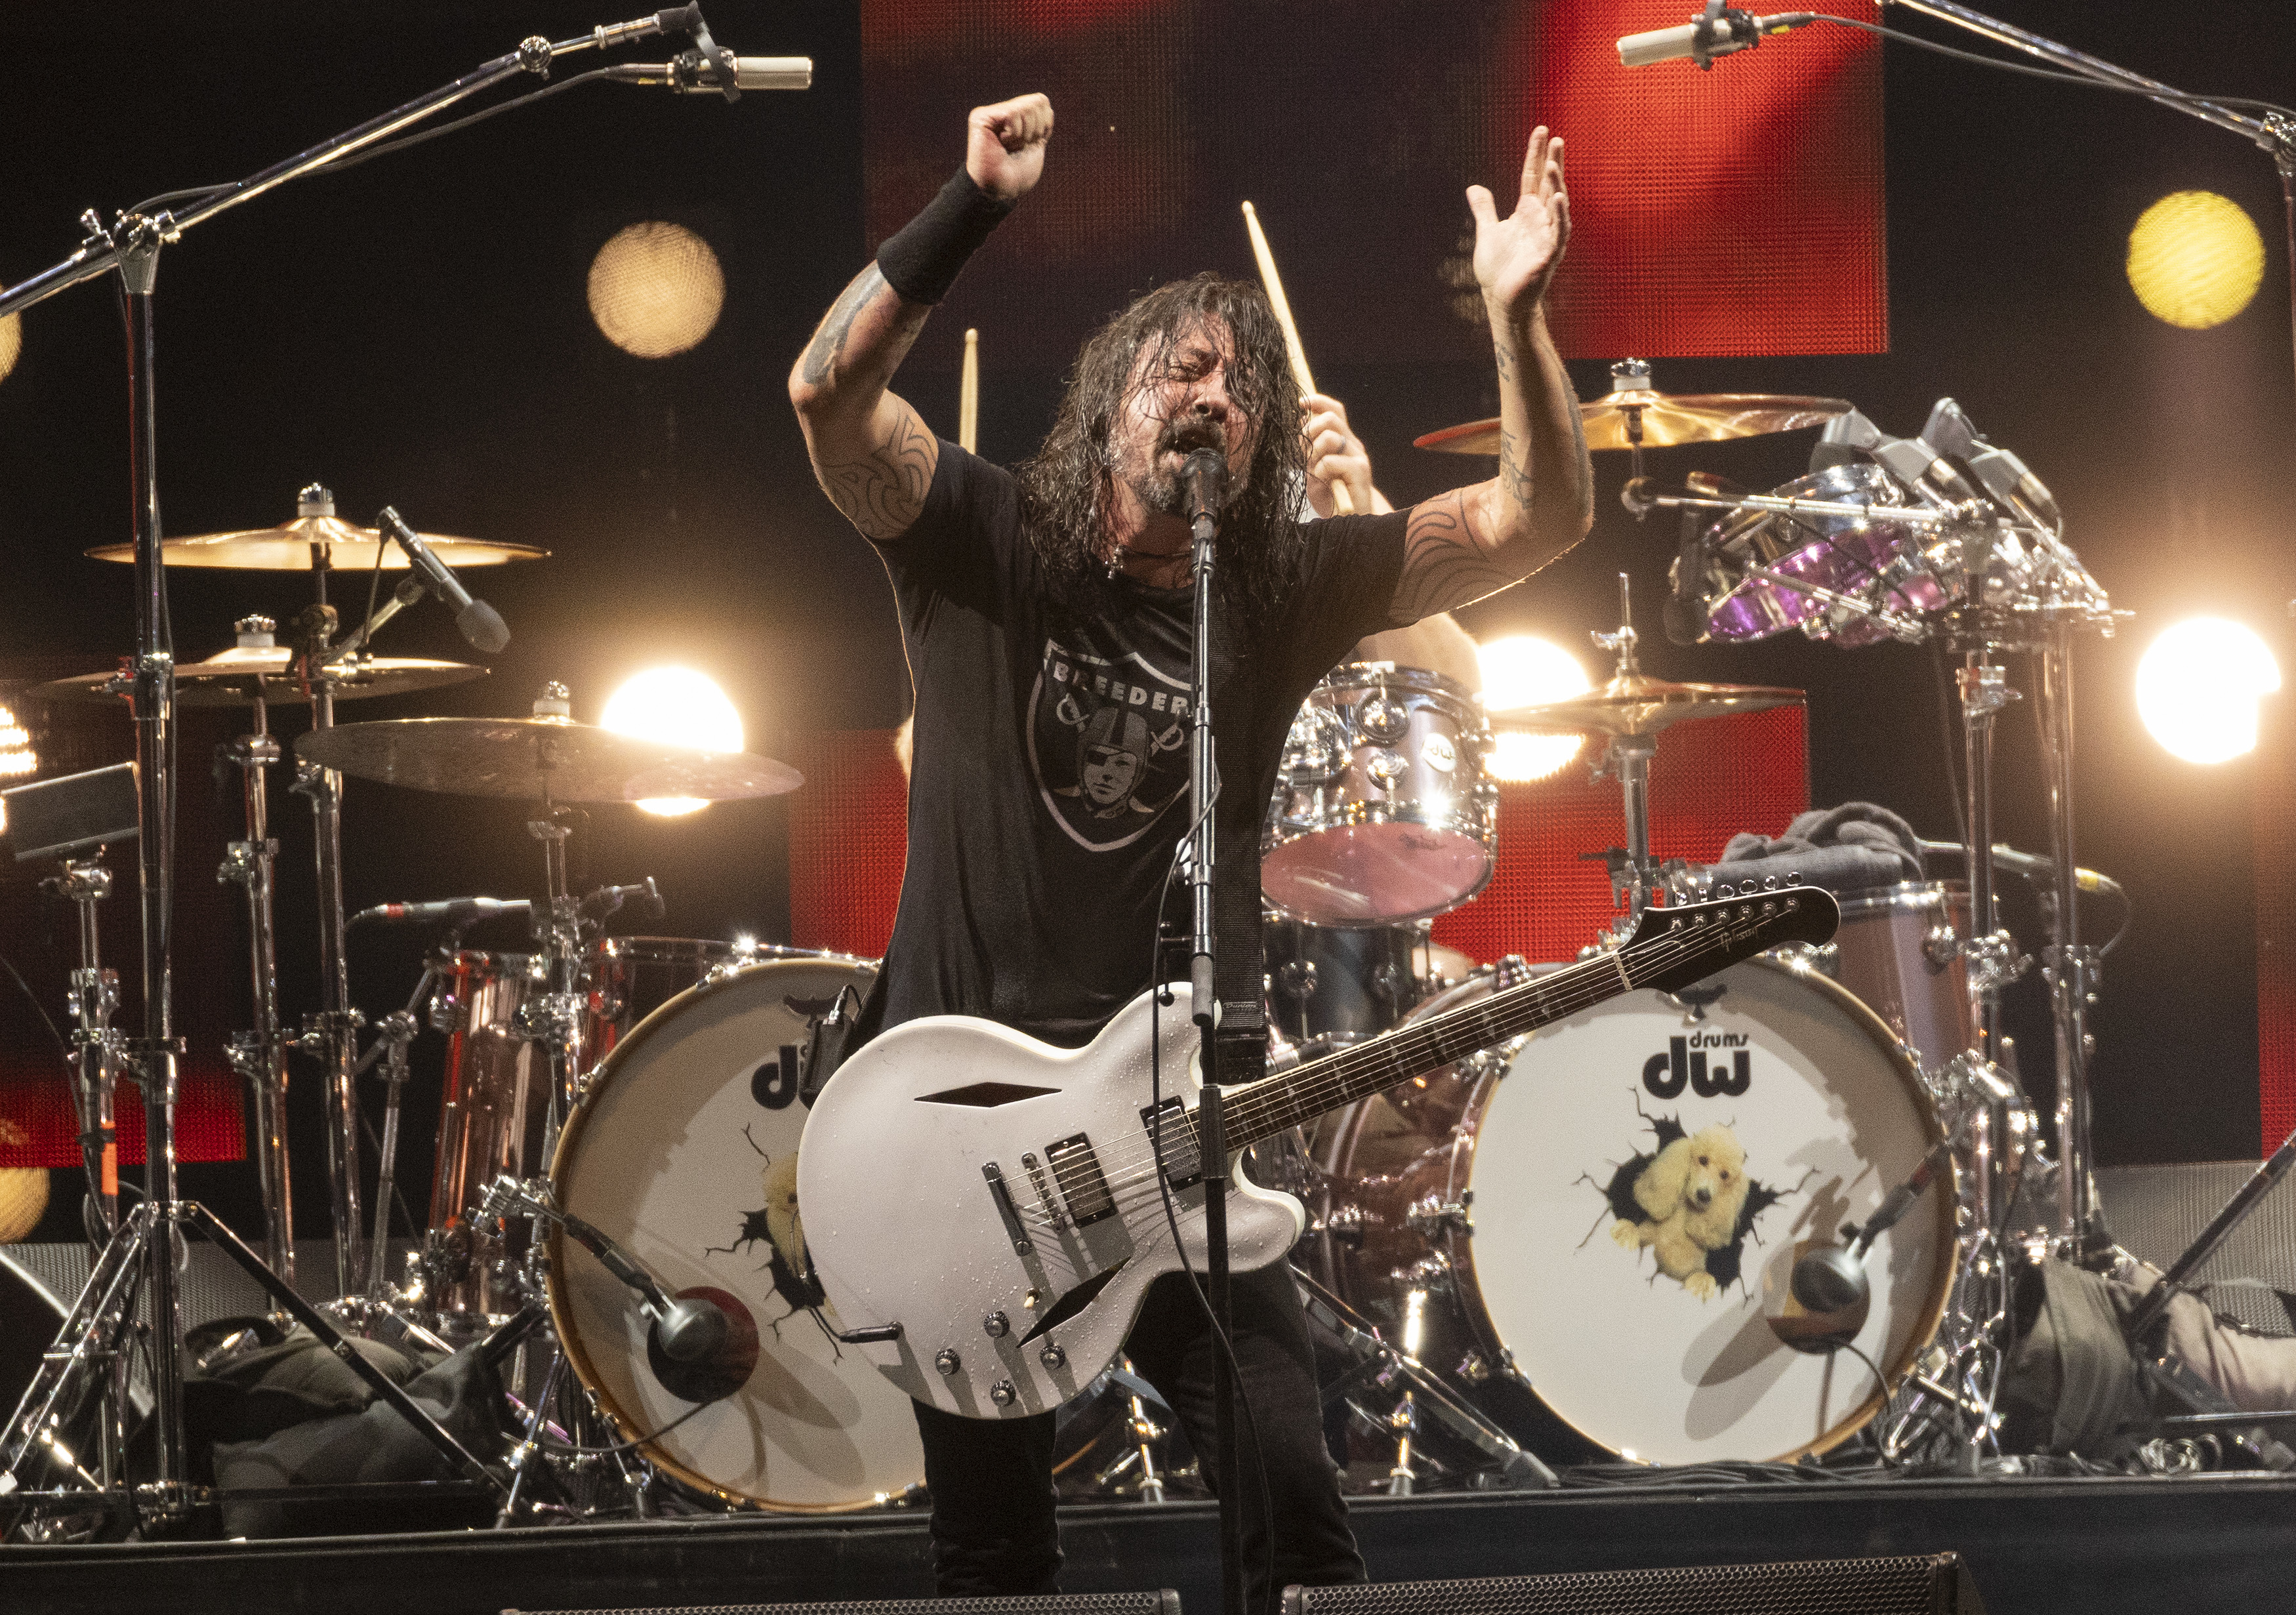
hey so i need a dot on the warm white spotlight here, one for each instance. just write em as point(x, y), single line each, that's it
point(2198, 687)
point(677, 707)
point(656, 289)
point(1525, 671)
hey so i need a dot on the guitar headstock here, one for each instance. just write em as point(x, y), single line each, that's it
point(1676, 945)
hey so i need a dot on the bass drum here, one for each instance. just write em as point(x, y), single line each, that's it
point(1601, 1220)
point(683, 1152)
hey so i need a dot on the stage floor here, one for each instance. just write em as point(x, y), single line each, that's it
point(2034, 1548)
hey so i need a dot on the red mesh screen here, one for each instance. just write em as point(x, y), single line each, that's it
point(211, 1119)
point(848, 842)
point(1734, 212)
point(2275, 934)
point(1710, 781)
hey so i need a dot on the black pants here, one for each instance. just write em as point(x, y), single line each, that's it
point(993, 1529)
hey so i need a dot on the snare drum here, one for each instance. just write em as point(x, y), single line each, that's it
point(683, 1152)
point(1381, 812)
point(1597, 1224)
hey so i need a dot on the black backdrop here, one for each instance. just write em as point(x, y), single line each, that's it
point(415, 333)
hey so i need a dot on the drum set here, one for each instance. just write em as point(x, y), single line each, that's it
point(1586, 1245)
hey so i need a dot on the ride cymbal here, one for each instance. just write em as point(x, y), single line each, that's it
point(239, 677)
point(536, 758)
point(311, 543)
point(1633, 703)
point(1666, 419)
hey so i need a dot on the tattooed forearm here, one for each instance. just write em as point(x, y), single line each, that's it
point(1443, 565)
point(882, 491)
point(828, 344)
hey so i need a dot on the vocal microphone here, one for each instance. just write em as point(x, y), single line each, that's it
point(1203, 476)
point(1719, 30)
point(444, 910)
point(2032, 867)
point(479, 622)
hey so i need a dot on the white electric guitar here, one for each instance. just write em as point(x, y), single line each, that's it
point(982, 1208)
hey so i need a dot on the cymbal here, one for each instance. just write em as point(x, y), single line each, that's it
point(290, 546)
point(538, 758)
point(1668, 419)
point(235, 678)
point(1637, 704)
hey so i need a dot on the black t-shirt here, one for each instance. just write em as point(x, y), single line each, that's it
point(1050, 780)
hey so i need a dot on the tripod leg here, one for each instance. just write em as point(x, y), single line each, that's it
point(89, 1343)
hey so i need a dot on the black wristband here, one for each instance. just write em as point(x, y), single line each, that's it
point(922, 258)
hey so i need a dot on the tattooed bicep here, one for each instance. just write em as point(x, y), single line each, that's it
point(1443, 565)
point(881, 490)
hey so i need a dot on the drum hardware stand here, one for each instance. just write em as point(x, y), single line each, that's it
point(130, 244)
point(2070, 968)
point(1635, 877)
point(397, 1031)
point(259, 1057)
point(97, 1050)
point(1991, 951)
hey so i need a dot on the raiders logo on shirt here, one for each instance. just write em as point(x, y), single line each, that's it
point(1108, 743)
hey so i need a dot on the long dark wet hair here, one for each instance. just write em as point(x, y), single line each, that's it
point(1065, 487)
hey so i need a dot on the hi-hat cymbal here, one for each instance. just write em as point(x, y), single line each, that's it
point(306, 542)
point(1666, 418)
point(238, 676)
point(1636, 704)
point(538, 758)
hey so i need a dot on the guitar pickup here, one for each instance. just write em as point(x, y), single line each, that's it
point(1176, 1146)
point(1076, 1168)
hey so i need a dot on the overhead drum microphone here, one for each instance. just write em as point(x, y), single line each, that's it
point(479, 622)
point(1719, 30)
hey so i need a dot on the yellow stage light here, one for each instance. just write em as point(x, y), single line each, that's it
point(656, 289)
point(2196, 258)
point(1525, 671)
point(2198, 687)
point(677, 707)
point(12, 343)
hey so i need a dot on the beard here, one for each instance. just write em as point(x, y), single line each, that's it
point(1161, 488)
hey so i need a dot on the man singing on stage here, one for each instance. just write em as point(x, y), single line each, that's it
point(1047, 615)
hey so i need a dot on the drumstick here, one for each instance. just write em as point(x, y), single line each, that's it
point(1341, 500)
point(968, 394)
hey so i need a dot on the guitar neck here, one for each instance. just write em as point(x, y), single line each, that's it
point(1675, 954)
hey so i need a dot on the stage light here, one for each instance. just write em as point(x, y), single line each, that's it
point(2194, 258)
point(656, 289)
point(1525, 671)
point(12, 343)
point(679, 707)
point(2198, 687)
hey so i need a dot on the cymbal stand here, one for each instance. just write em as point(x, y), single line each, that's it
point(98, 1055)
point(2070, 968)
point(1991, 951)
point(1636, 877)
point(396, 1031)
point(259, 1057)
point(331, 1035)
point(553, 1018)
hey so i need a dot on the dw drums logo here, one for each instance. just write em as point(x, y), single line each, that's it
point(1710, 1064)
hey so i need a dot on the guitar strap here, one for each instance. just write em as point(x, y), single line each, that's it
point(1239, 966)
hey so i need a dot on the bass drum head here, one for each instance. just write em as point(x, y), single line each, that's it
point(683, 1152)
point(1645, 1175)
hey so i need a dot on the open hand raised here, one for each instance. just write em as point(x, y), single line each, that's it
point(1515, 256)
point(1004, 146)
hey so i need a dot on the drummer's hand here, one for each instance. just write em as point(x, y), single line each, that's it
point(1004, 146)
point(1334, 454)
point(1515, 256)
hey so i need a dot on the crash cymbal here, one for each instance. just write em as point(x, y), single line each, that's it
point(1637, 704)
point(538, 758)
point(1668, 419)
point(300, 546)
point(238, 675)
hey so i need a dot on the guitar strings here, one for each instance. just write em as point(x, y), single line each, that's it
point(1254, 1109)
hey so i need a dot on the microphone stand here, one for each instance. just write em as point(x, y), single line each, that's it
point(2275, 132)
point(1203, 1001)
point(142, 1253)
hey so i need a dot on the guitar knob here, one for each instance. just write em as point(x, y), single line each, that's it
point(997, 1323)
point(1053, 1356)
point(947, 1361)
point(1003, 1394)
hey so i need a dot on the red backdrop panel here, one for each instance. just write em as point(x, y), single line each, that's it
point(849, 840)
point(1711, 780)
point(849, 836)
point(1736, 212)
